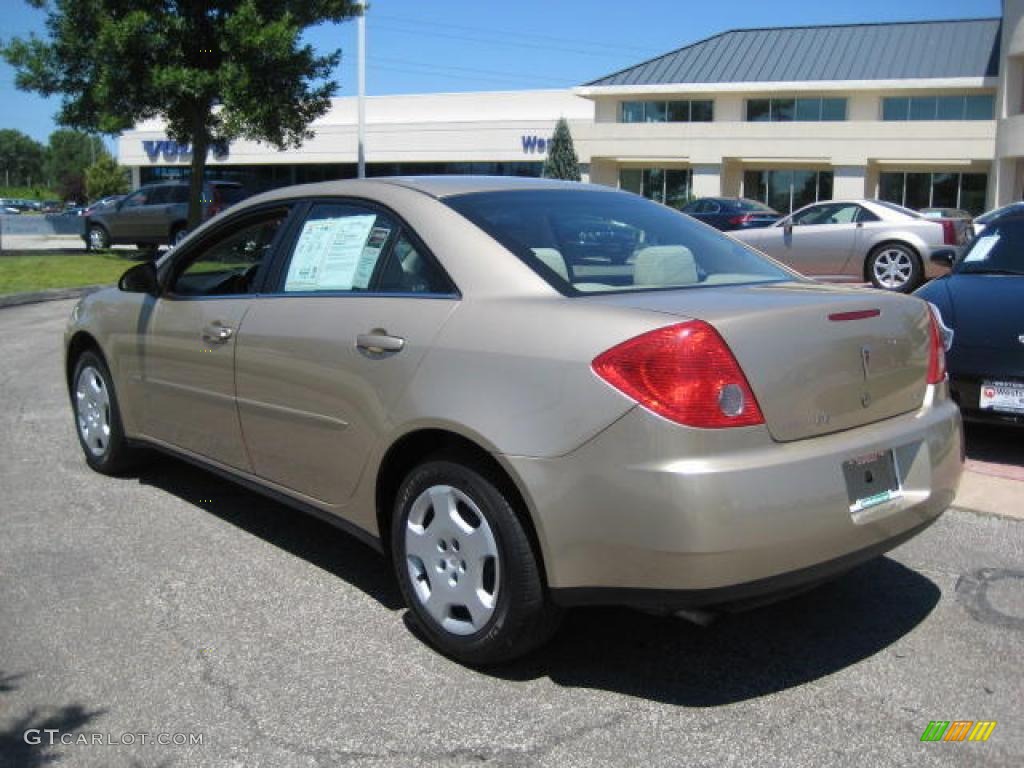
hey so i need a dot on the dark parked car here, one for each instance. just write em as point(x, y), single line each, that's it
point(983, 221)
point(728, 213)
point(154, 215)
point(982, 301)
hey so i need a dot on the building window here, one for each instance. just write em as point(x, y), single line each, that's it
point(804, 110)
point(677, 111)
point(671, 186)
point(786, 190)
point(973, 107)
point(965, 191)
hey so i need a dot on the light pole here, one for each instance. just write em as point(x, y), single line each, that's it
point(361, 66)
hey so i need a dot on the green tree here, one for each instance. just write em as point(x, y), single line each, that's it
point(213, 70)
point(68, 154)
point(561, 162)
point(21, 159)
point(105, 177)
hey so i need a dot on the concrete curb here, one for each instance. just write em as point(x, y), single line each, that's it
point(51, 294)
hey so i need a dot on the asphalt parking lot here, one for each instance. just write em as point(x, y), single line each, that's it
point(173, 602)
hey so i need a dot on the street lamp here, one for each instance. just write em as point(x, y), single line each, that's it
point(361, 66)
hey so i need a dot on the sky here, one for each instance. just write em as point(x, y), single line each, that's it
point(426, 46)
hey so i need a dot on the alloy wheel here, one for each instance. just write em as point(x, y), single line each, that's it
point(893, 268)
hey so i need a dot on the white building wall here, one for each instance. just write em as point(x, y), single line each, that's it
point(419, 128)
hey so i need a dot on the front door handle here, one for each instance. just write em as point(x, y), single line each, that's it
point(215, 333)
point(378, 343)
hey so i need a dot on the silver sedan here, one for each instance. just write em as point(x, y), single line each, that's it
point(460, 372)
point(860, 241)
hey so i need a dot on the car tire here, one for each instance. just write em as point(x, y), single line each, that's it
point(470, 577)
point(98, 238)
point(894, 267)
point(98, 417)
point(178, 233)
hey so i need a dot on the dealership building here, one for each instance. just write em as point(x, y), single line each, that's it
point(919, 113)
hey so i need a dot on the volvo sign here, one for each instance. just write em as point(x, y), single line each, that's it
point(175, 152)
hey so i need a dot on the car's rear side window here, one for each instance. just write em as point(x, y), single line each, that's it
point(589, 241)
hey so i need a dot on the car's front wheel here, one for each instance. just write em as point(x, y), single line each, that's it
point(98, 238)
point(98, 418)
point(895, 267)
point(466, 567)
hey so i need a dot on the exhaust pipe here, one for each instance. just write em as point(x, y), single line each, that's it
point(697, 616)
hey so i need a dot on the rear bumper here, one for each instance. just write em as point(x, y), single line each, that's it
point(966, 390)
point(652, 513)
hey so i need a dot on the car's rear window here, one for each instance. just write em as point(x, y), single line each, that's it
point(589, 241)
point(753, 206)
point(899, 209)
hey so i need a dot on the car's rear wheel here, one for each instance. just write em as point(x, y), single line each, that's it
point(98, 238)
point(98, 418)
point(466, 567)
point(894, 267)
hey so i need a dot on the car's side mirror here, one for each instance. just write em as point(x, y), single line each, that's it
point(944, 257)
point(142, 278)
point(787, 228)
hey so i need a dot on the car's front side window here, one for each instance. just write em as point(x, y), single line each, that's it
point(642, 245)
point(136, 199)
point(816, 214)
point(229, 265)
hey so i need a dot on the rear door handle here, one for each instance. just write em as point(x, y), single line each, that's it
point(378, 343)
point(215, 333)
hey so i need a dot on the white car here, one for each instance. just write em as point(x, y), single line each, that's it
point(861, 241)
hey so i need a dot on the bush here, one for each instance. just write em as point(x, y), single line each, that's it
point(105, 177)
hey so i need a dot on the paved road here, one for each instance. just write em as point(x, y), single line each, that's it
point(173, 602)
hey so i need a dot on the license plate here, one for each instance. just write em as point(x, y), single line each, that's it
point(871, 480)
point(1006, 396)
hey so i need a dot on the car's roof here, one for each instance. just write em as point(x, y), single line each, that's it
point(434, 186)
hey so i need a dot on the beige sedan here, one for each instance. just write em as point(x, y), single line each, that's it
point(455, 370)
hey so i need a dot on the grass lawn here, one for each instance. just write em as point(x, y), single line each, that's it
point(28, 271)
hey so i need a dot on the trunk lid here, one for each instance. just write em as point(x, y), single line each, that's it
point(812, 375)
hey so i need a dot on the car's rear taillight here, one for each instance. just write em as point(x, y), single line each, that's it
point(684, 372)
point(936, 349)
point(745, 218)
point(948, 232)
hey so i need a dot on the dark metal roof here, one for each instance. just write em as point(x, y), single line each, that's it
point(892, 51)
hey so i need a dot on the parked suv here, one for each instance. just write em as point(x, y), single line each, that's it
point(155, 214)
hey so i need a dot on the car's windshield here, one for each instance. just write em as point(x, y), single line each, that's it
point(589, 241)
point(997, 251)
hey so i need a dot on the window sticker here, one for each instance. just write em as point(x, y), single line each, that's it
point(983, 247)
point(333, 255)
point(368, 258)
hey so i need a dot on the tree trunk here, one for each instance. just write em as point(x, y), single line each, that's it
point(200, 145)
